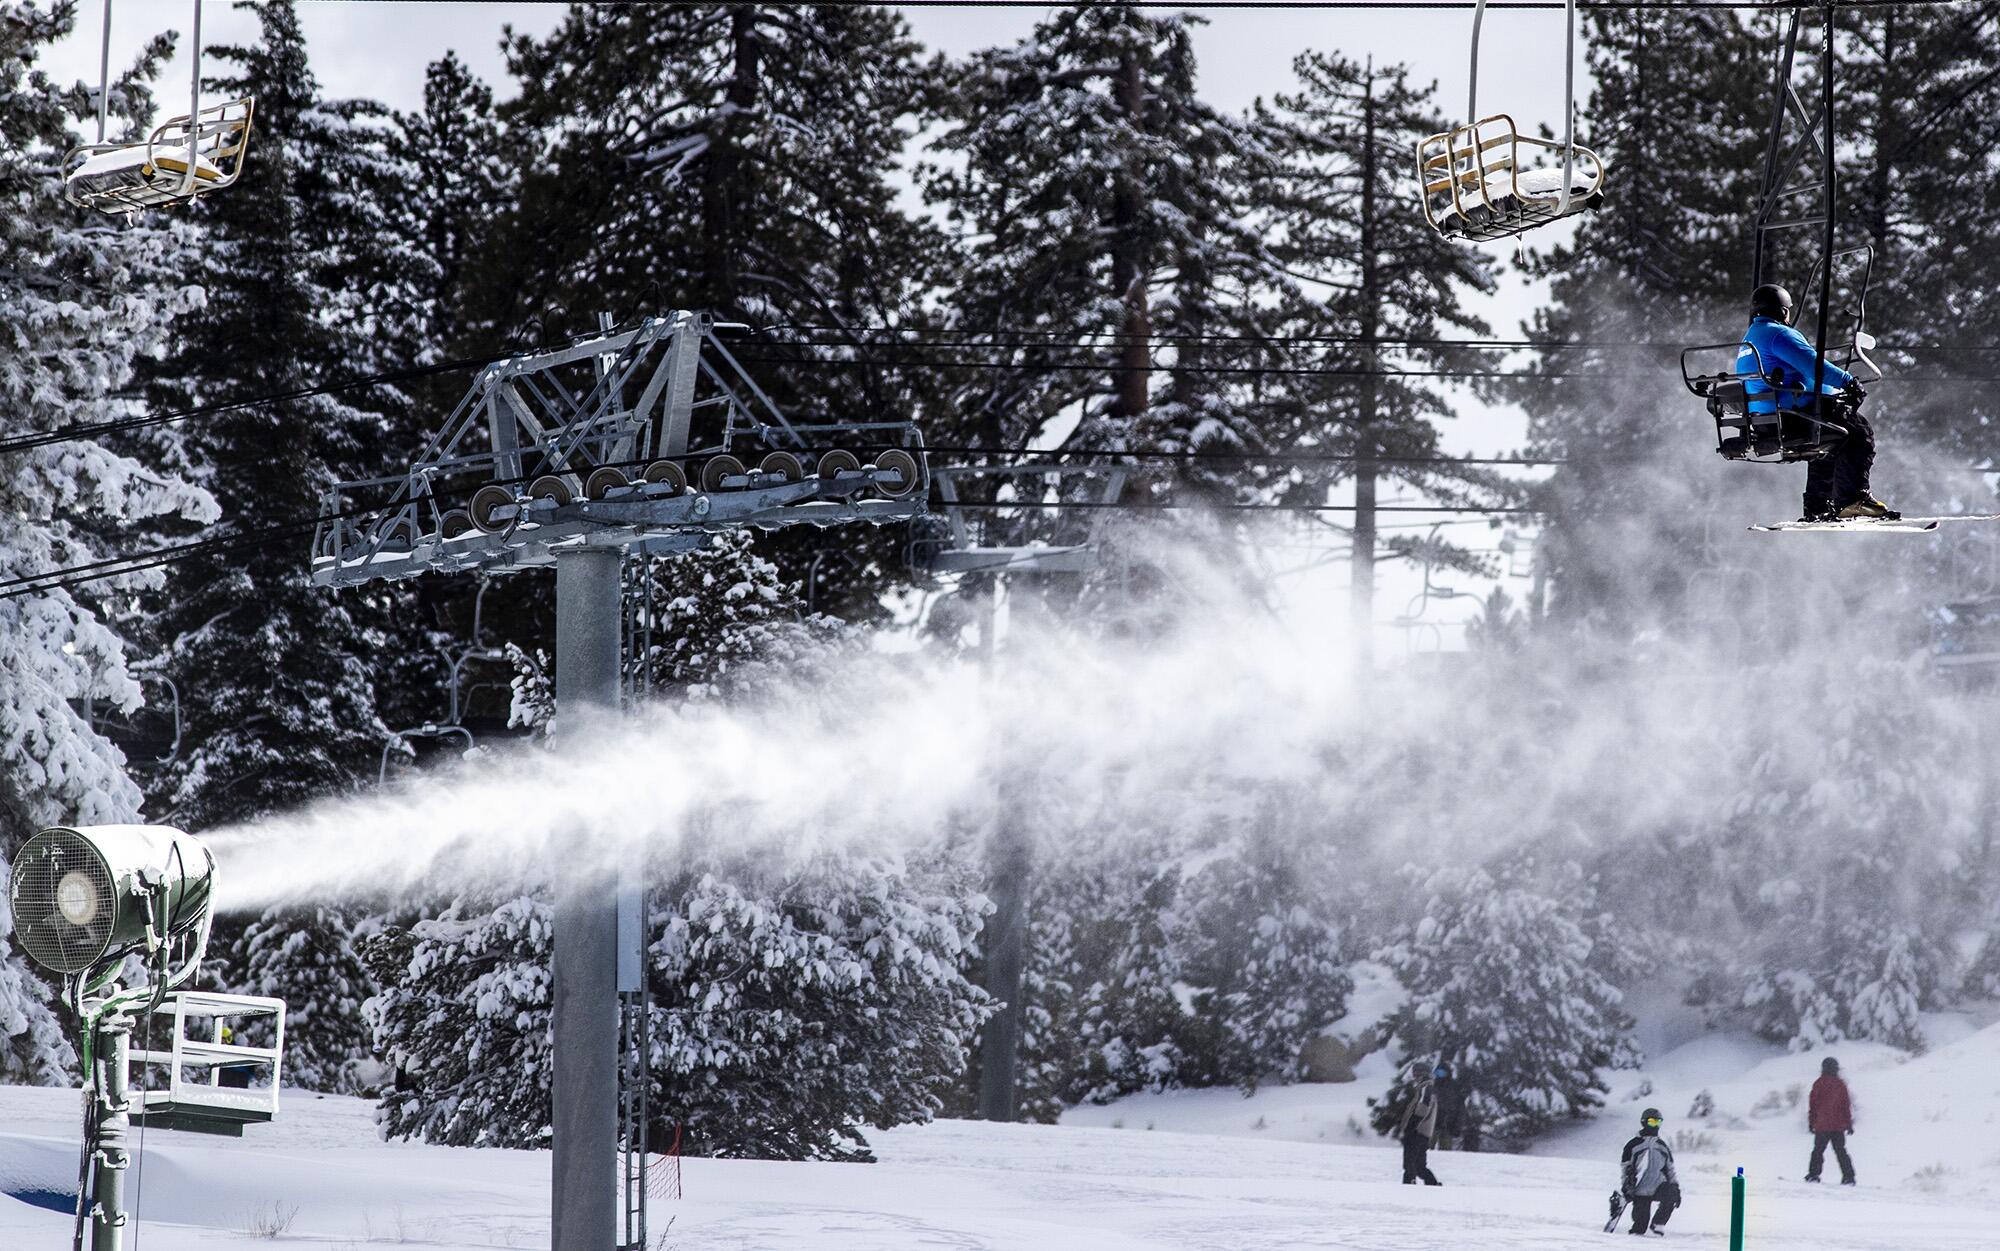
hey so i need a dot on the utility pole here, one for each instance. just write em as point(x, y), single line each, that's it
point(1010, 859)
point(1006, 936)
point(585, 1097)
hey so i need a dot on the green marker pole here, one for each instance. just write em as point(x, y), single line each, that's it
point(1736, 1211)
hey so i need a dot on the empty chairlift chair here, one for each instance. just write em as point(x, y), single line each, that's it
point(1485, 180)
point(123, 178)
point(1489, 181)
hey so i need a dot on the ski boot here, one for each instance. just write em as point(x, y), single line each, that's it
point(1868, 507)
point(1819, 508)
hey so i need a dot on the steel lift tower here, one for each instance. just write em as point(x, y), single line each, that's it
point(573, 457)
point(973, 540)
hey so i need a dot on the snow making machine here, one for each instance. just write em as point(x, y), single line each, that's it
point(646, 439)
point(85, 900)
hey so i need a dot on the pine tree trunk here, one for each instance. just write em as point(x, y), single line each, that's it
point(1128, 262)
point(1362, 577)
point(719, 206)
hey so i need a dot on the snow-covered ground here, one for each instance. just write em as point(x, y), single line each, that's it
point(1181, 1171)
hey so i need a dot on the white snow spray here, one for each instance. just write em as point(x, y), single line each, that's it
point(1679, 717)
point(887, 751)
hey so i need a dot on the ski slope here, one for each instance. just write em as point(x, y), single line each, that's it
point(1216, 1171)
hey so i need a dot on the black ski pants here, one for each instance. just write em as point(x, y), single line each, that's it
point(1416, 1160)
point(1841, 478)
point(1651, 1211)
point(1838, 1140)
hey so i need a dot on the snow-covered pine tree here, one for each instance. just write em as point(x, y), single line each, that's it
point(275, 675)
point(532, 689)
point(1266, 954)
point(1135, 1027)
point(463, 1024)
point(1104, 206)
point(727, 623)
point(1048, 1050)
point(742, 159)
point(305, 954)
point(1982, 976)
point(1841, 843)
point(278, 677)
point(790, 1012)
point(1369, 272)
point(1501, 983)
point(82, 302)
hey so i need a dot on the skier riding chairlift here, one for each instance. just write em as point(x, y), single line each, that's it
point(1765, 410)
point(1485, 180)
point(180, 160)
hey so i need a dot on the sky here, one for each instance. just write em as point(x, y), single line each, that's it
point(378, 49)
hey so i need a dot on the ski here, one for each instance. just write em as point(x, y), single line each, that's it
point(1916, 525)
point(1617, 1210)
point(1912, 525)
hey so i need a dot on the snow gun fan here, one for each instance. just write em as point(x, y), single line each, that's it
point(87, 898)
point(1486, 180)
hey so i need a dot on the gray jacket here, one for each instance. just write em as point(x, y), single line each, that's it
point(1422, 1114)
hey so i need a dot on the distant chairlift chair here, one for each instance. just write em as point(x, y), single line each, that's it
point(126, 178)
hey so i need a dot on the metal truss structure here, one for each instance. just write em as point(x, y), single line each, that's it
point(638, 440)
point(595, 445)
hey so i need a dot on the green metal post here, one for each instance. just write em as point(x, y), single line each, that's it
point(1736, 1211)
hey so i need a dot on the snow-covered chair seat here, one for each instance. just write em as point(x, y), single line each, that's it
point(1489, 181)
point(129, 177)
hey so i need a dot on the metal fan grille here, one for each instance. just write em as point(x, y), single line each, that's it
point(50, 938)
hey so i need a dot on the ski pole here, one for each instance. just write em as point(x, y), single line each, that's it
point(1736, 1211)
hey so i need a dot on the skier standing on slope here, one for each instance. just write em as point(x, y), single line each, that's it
point(1778, 367)
point(1416, 1130)
point(1648, 1182)
point(1830, 1116)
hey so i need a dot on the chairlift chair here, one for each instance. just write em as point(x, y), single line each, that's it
point(125, 178)
point(182, 159)
point(1485, 180)
point(1776, 435)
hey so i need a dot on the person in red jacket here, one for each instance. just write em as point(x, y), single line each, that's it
point(1830, 1116)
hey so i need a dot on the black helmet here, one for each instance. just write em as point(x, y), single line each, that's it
point(1651, 1118)
point(1771, 300)
point(1829, 1065)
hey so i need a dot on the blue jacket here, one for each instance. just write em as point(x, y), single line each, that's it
point(1788, 362)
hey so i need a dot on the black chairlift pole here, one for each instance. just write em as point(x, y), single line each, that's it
point(1774, 151)
point(1828, 163)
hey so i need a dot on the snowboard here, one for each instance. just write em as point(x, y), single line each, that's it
point(1617, 1210)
